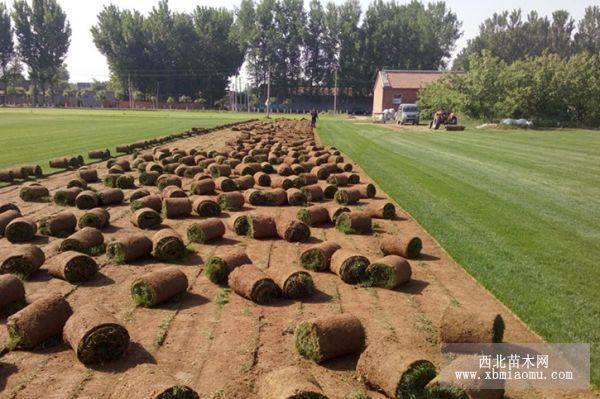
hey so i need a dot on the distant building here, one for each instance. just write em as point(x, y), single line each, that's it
point(395, 87)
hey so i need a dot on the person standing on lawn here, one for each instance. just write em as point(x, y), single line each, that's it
point(314, 115)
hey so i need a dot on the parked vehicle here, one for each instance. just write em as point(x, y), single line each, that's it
point(407, 113)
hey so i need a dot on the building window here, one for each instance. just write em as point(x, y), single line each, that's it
point(397, 99)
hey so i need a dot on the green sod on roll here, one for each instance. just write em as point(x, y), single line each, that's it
point(60, 225)
point(21, 260)
point(318, 258)
point(72, 266)
point(20, 230)
point(158, 286)
point(146, 218)
point(218, 266)
point(349, 266)
point(97, 218)
point(167, 245)
point(128, 248)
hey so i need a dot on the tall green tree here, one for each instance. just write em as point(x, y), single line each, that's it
point(587, 37)
point(7, 51)
point(44, 35)
point(314, 51)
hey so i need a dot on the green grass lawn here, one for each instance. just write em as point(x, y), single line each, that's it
point(519, 210)
point(38, 135)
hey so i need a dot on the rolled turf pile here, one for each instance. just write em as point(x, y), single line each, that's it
point(139, 193)
point(146, 218)
point(95, 335)
point(294, 283)
point(6, 176)
point(318, 258)
point(149, 381)
point(59, 163)
point(60, 225)
point(128, 248)
point(173, 192)
point(232, 201)
point(167, 245)
point(314, 215)
point(112, 196)
point(205, 231)
point(67, 197)
point(12, 293)
point(255, 226)
point(88, 175)
point(125, 182)
point(244, 182)
point(20, 230)
point(349, 196)
point(7, 206)
point(354, 223)
point(153, 201)
point(82, 184)
point(6, 217)
point(256, 197)
point(262, 179)
point(72, 266)
point(329, 190)
point(148, 178)
point(21, 260)
point(87, 240)
point(158, 286)
point(313, 193)
point(110, 180)
point(295, 197)
point(281, 182)
point(219, 266)
point(253, 284)
point(388, 367)
point(381, 210)
point(338, 179)
point(396, 245)
point(87, 200)
point(33, 193)
point(176, 207)
point(329, 337)
point(225, 184)
point(97, 218)
point(206, 206)
point(203, 187)
point(290, 383)
point(292, 230)
point(33, 170)
point(349, 266)
point(40, 320)
point(463, 326)
point(367, 190)
point(388, 272)
point(275, 197)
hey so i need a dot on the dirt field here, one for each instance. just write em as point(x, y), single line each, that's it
point(219, 343)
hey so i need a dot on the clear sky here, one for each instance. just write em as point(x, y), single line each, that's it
point(86, 63)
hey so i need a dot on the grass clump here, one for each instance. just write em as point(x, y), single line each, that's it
point(414, 380)
point(306, 342)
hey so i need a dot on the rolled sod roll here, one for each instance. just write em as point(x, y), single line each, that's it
point(388, 272)
point(395, 245)
point(309, 179)
point(87, 200)
point(329, 190)
point(87, 240)
point(313, 193)
point(20, 230)
point(148, 381)
point(72, 266)
point(82, 184)
point(275, 197)
point(97, 218)
point(345, 166)
point(447, 386)
point(12, 293)
point(262, 179)
point(148, 178)
point(168, 180)
point(353, 178)
point(294, 283)
point(349, 266)
point(284, 170)
point(146, 218)
point(255, 197)
point(7, 206)
point(255, 226)
point(292, 230)
point(110, 180)
point(128, 248)
point(313, 215)
point(329, 337)
point(338, 179)
point(354, 223)
point(176, 207)
point(225, 184)
point(192, 171)
point(88, 175)
point(125, 182)
point(153, 167)
point(219, 266)
point(6, 217)
point(206, 206)
point(139, 193)
point(167, 245)
point(381, 210)
point(60, 225)
point(158, 286)
point(253, 284)
point(461, 326)
point(289, 383)
point(33, 193)
point(205, 230)
point(231, 201)
point(246, 169)
point(321, 171)
point(244, 182)
point(59, 163)
point(67, 197)
point(217, 170)
point(347, 196)
point(33, 170)
point(202, 187)
point(295, 197)
point(112, 196)
point(281, 182)
point(318, 258)
point(367, 190)
point(388, 367)
point(6, 176)
point(173, 192)
point(99, 154)
point(21, 260)
point(95, 335)
point(40, 320)
point(153, 201)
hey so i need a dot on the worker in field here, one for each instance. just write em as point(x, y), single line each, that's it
point(452, 119)
point(314, 115)
point(438, 119)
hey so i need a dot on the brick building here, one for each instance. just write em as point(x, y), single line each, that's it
point(395, 87)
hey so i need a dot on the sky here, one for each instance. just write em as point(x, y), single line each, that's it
point(85, 62)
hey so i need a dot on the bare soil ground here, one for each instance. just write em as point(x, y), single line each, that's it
point(220, 343)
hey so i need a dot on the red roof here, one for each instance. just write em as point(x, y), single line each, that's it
point(408, 79)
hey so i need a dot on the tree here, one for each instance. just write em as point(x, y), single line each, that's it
point(185, 99)
point(44, 35)
point(314, 53)
point(587, 37)
point(7, 51)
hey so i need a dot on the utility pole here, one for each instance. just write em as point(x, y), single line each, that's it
point(157, 86)
point(248, 95)
point(268, 102)
point(129, 89)
point(335, 90)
